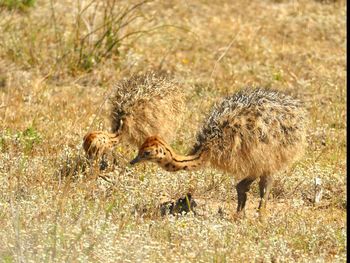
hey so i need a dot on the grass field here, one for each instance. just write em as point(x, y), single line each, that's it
point(58, 63)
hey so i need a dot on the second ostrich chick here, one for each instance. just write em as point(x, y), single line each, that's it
point(142, 105)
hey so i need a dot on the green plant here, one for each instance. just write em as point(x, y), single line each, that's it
point(104, 39)
point(95, 33)
point(29, 138)
point(100, 38)
point(17, 4)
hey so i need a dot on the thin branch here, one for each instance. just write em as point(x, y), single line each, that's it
point(223, 54)
point(58, 39)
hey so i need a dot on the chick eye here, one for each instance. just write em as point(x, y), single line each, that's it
point(146, 153)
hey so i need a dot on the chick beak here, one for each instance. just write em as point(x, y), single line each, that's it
point(136, 160)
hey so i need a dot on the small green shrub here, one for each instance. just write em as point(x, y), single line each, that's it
point(17, 4)
point(28, 139)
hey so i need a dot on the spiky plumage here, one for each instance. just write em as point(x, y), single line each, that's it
point(142, 105)
point(147, 104)
point(254, 131)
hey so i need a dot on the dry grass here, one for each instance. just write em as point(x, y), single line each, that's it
point(51, 95)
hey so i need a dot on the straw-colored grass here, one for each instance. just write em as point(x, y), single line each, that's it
point(55, 75)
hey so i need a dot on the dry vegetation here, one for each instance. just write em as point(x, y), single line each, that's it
point(58, 62)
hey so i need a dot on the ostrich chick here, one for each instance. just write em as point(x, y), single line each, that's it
point(251, 134)
point(142, 105)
